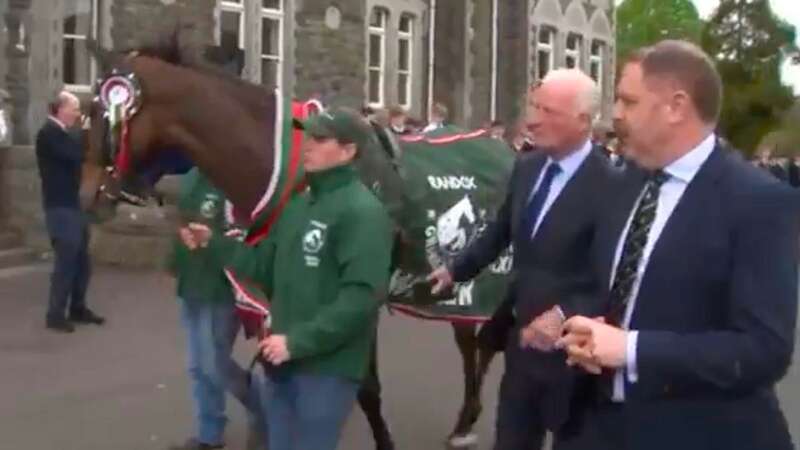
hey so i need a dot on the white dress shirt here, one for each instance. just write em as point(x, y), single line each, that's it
point(681, 172)
point(58, 122)
point(569, 166)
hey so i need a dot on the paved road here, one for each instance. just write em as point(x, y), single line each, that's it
point(123, 386)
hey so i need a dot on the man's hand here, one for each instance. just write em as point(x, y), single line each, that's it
point(593, 344)
point(443, 279)
point(202, 234)
point(543, 332)
point(187, 237)
point(275, 349)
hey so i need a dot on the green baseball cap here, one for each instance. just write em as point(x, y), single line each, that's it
point(344, 125)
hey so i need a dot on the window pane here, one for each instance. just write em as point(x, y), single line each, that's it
point(544, 63)
point(271, 4)
point(402, 89)
point(269, 72)
point(573, 41)
point(270, 37)
point(78, 17)
point(406, 24)
point(404, 55)
point(545, 36)
point(378, 18)
point(571, 62)
point(594, 70)
point(597, 48)
point(374, 86)
point(77, 65)
point(375, 44)
point(230, 29)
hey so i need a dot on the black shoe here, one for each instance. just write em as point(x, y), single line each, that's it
point(86, 316)
point(61, 325)
point(194, 444)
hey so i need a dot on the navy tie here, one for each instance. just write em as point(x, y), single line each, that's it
point(535, 205)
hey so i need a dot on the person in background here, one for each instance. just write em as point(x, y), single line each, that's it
point(497, 129)
point(60, 157)
point(518, 137)
point(211, 324)
point(397, 120)
point(439, 114)
point(793, 171)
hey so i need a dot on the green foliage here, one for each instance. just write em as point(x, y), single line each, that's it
point(645, 22)
point(749, 44)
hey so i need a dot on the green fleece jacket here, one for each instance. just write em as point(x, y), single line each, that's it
point(325, 267)
point(199, 277)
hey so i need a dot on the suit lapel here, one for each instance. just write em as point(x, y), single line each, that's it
point(526, 180)
point(566, 200)
point(632, 183)
point(699, 195)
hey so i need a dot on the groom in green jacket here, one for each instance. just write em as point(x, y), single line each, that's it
point(325, 267)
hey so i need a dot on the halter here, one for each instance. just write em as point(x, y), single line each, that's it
point(120, 94)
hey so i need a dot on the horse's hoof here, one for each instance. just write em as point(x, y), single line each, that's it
point(463, 441)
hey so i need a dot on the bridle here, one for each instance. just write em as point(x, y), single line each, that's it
point(119, 95)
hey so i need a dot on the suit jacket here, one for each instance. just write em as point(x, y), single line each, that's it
point(554, 262)
point(716, 312)
point(59, 157)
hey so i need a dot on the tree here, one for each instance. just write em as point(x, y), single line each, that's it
point(749, 44)
point(644, 22)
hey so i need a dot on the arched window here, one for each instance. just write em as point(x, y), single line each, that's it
point(572, 52)
point(596, 58)
point(545, 51)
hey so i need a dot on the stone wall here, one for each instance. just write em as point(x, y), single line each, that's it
point(138, 22)
point(136, 237)
point(512, 76)
point(450, 82)
point(330, 62)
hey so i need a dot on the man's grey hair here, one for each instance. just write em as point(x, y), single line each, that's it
point(588, 97)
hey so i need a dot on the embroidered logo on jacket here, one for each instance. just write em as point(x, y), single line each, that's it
point(313, 242)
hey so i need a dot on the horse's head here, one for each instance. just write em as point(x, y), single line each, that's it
point(124, 135)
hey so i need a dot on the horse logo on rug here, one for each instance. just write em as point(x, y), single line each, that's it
point(456, 228)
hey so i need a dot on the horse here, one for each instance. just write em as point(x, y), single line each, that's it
point(221, 123)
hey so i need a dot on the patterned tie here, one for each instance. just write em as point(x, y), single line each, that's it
point(633, 248)
point(535, 205)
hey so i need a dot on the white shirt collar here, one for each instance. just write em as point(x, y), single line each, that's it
point(58, 122)
point(570, 164)
point(687, 166)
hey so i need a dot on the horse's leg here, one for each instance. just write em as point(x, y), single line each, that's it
point(467, 342)
point(369, 399)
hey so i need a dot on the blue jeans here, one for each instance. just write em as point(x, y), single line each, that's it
point(69, 235)
point(306, 412)
point(211, 330)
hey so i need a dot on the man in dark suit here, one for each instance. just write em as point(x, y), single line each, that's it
point(549, 216)
point(59, 156)
point(698, 260)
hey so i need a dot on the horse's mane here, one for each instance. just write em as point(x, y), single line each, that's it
point(169, 50)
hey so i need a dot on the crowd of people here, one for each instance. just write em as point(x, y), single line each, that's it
point(653, 302)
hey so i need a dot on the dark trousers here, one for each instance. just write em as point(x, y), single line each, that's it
point(534, 397)
point(69, 235)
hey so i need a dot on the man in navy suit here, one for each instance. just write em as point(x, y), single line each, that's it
point(552, 203)
point(59, 156)
point(698, 260)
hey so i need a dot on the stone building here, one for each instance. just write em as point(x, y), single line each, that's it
point(475, 56)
